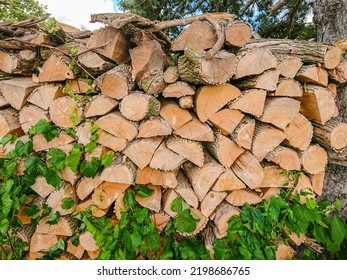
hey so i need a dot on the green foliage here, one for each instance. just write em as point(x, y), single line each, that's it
point(54, 219)
point(90, 169)
point(45, 128)
point(186, 220)
point(143, 191)
point(15, 10)
point(50, 25)
point(67, 203)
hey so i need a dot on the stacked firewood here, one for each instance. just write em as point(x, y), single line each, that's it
point(215, 119)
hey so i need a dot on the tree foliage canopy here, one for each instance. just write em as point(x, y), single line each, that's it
point(270, 18)
point(16, 10)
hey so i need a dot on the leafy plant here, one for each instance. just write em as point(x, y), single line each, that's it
point(186, 220)
point(45, 128)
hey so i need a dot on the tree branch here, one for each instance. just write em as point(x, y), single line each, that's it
point(292, 17)
point(278, 5)
point(247, 5)
point(192, 10)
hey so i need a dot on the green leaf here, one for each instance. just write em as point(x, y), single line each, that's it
point(23, 150)
point(57, 158)
point(74, 158)
point(54, 219)
point(74, 240)
point(140, 214)
point(279, 202)
point(106, 159)
point(338, 231)
point(4, 226)
point(67, 203)
point(90, 147)
point(178, 205)
point(30, 164)
point(252, 214)
point(222, 249)
point(150, 243)
point(246, 254)
point(129, 200)
point(90, 169)
point(46, 210)
point(4, 140)
point(143, 191)
point(32, 210)
point(132, 241)
point(185, 222)
point(94, 128)
point(73, 50)
point(43, 127)
point(53, 178)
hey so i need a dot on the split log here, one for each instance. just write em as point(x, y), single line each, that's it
point(86, 186)
point(171, 74)
point(287, 87)
point(26, 233)
point(226, 120)
point(267, 193)
point(304, 188)
point(317, 181)
point(100, 105)
point(195, 130)
point(152, 202)
point(313, 74)
point(240, 197)
point(83, 133)
point(115, 124)
point(77, 251)
point(174, 115)
point(224, 150)
point(116, 45)
point(202, 178)
point(223, 214)
point(266, 138)
point(9, 122)
point(274, 178)
point(21, 62)
point(141, 151)
point(65, 112)
point(186, 102)
point(138, 106)
point(65, 227)
point(121, 171)
point(41, 144)
point(228, 181)
point(178, 89)
point(308, 52)
point(185, 190)
point(210, 99)
point(211, 201)
point(44, 95)
point(88, 242)
point(314, 159)
point(284, 252)
point(288, 65)
point(284, 157)
point(87, 205)
point(112, 142)
point(156, 177)
point(195, 68)
point(165, 159)
point(237, 33)
point(78, 86)
point(3, 102)
point(30, 115)
point(92, 62)
point(41, 242)
point(160, 220)
point(119, 206)
point(17, 90)
point(54, 200)
point(317, 103)
point(117, 82)
point(280, 111)
point(267, 81)
point(248, 169)
point(298, 133)
point(254, 62)
point(154, 127)
point(331, 135)
point(41, 187)
point(107, 193)
point(168, 197)
point(251, 102)
point(189, 149)
point(243, 133)
point(339, 73)
point(57, 68)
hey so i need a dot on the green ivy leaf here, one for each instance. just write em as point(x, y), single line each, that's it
point(43, 127)
point(90, 147)
point(106, 159)
point(185, 222)
point(94, 128)
point(4, 140)
point(32, 210)
point(133, 241)
point(129, 200)
point(74, 240)
point(54, 219)
point(4, 226)
point(90, 169)
point(338, 231)
point(67, 203)
point(30, 164)
point(53, 178)
point(178, 205)
point(57, 158)
point(222, 249)
point(74, 158)
point(143, 191)
point(23, 150)
point(46, 210)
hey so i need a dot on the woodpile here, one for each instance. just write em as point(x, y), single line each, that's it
point(216, 130)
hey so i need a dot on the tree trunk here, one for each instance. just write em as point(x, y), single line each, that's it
point(330, 18)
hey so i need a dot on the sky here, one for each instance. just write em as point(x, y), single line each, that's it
point(77, 12)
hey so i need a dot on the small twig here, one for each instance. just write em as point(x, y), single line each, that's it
point(278, 5)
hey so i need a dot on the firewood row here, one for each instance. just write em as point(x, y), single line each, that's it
point(217, 131)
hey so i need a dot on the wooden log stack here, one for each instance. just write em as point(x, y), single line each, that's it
point(218, 131)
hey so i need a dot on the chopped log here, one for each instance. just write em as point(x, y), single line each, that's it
point(92, 62)
point(24, 218)
point(280, 111)
point(119, 206)
point(141, 151)
point(178, 89)
point(211, 201)
point(121, 171)
point(237, 33)
point(9, 122)
point(83, 133)
point(267, 193)
point(313, 74)
point(69, 176)
point(174, 115)
point(41, 242)
point(54, 200)
point(288, 65)
point(243, 133)
point(298, 133)
point(240, 197)
point(168, 196)
point(114, 143)
point(118, 126)
point(116, 44)
point(41, 144)
point(339, 73)
point(152, 202)
point(304, 188)
point(160, 220)
point(308, 52)
point(78, 86)
point(30, 115)
point(138, 106)
point(77, 251)
point(65, 227)
point(195, 68)
point(274, 178)
point(171, 74)
point(189, 149)
point(89, 205)
point(224, 150)
point(17, 90)
point(228, 181)
point(317, 103)
point(21, 62)
point(293, 238)
point(100, 105)
point(226, 120)
point(165, 159)
point(106, 193)
point(284, 252)
point(254, 62)
point(199, 36)
point(26, 233)
point(186, 102)
point(44, 95)
point(117, 82)
point(287, 87)
point(266, 138)
point(86, 186)
point(156, 177)
point(195, 130)
point(3, 102)
point(248, 169)
point(251, 102)
point(41, 187)
point(65, 112)
point(284, 157)
point(317, 181)
point(56, 68)
point(267, 81)
point(93, 254)
point(314, 159)
point(185, 190)
point(331, 135)
point(210, 99)
point(88, 242)
point(154, 127)
point(202, 178)
point(224, 212)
